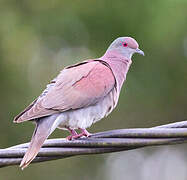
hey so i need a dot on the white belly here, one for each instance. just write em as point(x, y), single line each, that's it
point(85, 117)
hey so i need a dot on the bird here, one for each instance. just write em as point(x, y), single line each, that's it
point(79, 96)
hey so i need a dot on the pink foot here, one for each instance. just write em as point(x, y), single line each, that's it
point(73, 134)
point(84, 132)
point(70, 137)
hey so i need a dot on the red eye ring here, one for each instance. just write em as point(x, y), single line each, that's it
point(124, 44)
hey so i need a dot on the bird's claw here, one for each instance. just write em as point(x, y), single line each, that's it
point(84, 132)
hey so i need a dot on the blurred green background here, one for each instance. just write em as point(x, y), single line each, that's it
point(39, 37)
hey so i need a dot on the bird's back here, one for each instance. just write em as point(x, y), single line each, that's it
point(75, 87)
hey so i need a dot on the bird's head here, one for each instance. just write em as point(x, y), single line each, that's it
point(126, 46)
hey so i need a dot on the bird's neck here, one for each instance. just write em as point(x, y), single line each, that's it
point(119, 65)
point(125, 54)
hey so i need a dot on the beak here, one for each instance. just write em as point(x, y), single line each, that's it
point(139, 51)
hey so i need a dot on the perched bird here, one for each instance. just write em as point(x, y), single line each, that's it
point(79, 96)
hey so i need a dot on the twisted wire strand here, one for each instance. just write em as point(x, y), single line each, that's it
point(98, 143)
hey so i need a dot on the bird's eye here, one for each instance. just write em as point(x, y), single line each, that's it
point(124, 44)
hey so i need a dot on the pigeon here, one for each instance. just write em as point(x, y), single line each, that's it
point(79, 96)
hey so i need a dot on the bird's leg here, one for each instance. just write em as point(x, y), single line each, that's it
point(73, 133)
point(84, 132)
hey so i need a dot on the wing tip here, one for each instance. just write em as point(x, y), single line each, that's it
point(17, 119)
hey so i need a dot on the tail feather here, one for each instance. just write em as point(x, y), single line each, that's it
point(44, 127)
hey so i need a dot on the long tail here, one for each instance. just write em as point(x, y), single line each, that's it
point(44, 127)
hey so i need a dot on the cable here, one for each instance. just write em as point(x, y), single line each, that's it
point(98, 143)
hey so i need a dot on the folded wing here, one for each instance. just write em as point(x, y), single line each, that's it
point(75, 87)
